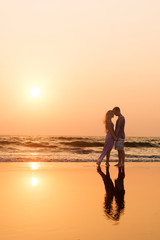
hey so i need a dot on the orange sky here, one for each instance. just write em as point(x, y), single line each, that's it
point(86, 57)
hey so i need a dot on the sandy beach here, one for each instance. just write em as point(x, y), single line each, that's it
point(66, 201)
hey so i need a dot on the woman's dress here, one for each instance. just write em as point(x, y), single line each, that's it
point(108, 145)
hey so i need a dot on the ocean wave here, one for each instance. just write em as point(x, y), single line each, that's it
point(84, 144)
point(83, 151)
point(81, 142)
point(26, 144)
point(5, 142)
point(74, 160)
point(143, 156)
point(38, 145)
point(71, 138)
point(140, 144)
point(101, 144)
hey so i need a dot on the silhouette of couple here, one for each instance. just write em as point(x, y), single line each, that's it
point(117, 136)
point(113, 193)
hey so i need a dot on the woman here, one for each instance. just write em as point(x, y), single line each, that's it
point(110, 137)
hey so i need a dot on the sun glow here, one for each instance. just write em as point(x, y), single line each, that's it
point(34, 181)
point(35, 92)
point(34, 165)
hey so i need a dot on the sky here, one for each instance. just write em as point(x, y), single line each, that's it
point(84, 57)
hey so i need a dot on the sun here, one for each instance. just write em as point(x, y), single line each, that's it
point(34, 181)
point(35, 92)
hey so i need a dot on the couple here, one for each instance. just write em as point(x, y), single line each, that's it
point(117, 135)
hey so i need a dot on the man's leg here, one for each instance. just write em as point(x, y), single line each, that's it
point(122, 157)
point(119, 157)
point(121, 153)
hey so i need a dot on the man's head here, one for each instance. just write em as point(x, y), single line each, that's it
point(117, 111)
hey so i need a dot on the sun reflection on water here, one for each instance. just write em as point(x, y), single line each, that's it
point(34, 165)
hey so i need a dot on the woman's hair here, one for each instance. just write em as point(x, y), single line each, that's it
point(107, 119)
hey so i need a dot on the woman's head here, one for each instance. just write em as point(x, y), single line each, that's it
point(109, 115)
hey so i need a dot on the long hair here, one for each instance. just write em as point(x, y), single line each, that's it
point(107, 119)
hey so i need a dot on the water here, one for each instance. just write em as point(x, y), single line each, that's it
point(74, 149)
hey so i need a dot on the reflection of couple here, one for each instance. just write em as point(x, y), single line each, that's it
point(112, 135)
point(113, 193)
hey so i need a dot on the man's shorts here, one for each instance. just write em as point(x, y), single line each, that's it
point(119, 144)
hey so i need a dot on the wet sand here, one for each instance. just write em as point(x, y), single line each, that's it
point(66, 201)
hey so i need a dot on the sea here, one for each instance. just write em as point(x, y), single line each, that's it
point(74, 149)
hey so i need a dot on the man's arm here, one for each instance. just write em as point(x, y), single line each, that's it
point(119, 125)
point(117, 130)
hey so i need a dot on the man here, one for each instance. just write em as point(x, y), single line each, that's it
point(120, 134)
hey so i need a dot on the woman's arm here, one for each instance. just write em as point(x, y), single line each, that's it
point(111, 130)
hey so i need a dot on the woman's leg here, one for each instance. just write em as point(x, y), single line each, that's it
point(108, 157)
point(105, 149)
point(101, 156)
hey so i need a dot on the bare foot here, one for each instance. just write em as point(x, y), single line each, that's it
point(119, 165)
